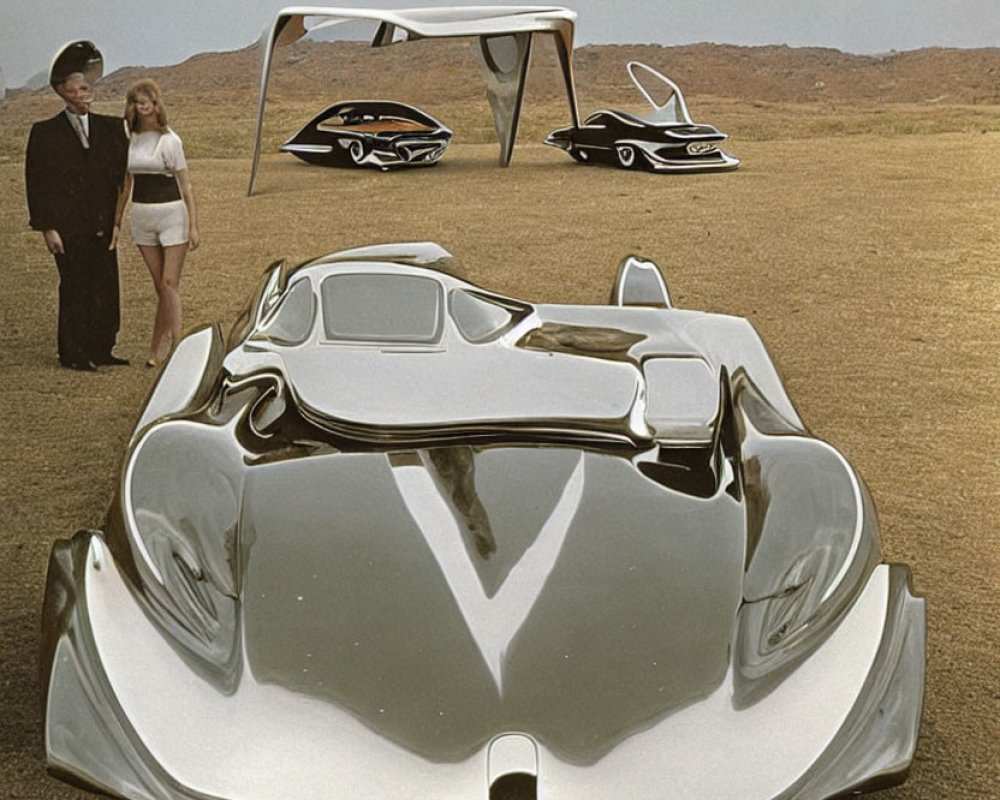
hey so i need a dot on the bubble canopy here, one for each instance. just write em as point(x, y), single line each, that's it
point(77, 57)
point(505, 34)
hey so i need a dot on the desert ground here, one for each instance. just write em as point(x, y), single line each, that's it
point(860, 236)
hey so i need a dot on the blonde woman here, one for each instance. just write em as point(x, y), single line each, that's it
point(164, 216)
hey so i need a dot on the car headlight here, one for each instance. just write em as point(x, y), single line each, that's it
point(812, 545)
point(701, 148)
point(179, 516)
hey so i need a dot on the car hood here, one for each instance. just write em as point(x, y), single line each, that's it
point(444, 596)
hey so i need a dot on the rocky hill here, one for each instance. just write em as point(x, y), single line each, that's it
point(447, 71)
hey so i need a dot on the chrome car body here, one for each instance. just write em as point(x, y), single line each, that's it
point(401, 536)
point(667, 140)
point(377, 133)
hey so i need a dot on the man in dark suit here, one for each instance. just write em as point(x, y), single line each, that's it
point(75, 168)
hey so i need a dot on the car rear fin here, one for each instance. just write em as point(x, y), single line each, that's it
point(640, 283)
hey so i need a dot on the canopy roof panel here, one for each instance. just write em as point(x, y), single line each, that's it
point(431, 22)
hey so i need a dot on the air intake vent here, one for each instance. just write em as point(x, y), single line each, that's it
point(513, 768)
point(515, 786)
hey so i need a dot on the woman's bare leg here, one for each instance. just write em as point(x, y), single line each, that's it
point(170, 295)
point(153, 256)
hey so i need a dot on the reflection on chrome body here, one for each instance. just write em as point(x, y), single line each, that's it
point(404, 536)
point(377, 133)
point(504, 33)
point(666, 140)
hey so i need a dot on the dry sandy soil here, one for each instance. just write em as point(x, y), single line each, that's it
point(860, 236)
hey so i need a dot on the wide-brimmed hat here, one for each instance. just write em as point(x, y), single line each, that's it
point(80, 56)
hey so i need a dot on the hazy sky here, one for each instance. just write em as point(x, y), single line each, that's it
point(157, 32)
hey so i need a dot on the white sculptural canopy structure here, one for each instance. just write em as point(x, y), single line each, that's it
point(504, 32)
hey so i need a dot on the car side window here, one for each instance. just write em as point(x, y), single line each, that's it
point(380, 307)
point(291, 322)
point(480, 318)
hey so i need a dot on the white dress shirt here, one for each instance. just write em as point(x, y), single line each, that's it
point(81, 124)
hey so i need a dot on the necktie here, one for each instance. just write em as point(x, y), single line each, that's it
point(78, 127)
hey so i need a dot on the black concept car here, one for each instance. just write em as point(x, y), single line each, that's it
point(377, 133)
point(666, 140)
point(399, 536)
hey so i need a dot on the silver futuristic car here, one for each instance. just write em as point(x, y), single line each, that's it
point(665, 140)
point(399, 536)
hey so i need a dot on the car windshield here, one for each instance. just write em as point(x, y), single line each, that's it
point(292, 321)
point(382, 307)
point(480, 317)
point(666, 113)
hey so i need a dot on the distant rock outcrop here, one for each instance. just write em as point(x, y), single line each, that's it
point(40, 80)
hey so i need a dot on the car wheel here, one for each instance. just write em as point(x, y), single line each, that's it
point(358, 151)
point(626, 156)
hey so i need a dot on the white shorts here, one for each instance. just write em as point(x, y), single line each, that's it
point(163, 224)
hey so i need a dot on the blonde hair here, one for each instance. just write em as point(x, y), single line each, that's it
point(149, 88)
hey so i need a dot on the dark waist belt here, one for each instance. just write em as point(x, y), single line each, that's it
point(155, 189)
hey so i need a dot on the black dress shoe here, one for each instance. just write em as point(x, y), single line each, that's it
point(111, 360)
point(81, 366)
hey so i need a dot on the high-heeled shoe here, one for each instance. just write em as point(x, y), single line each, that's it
point(162, 352)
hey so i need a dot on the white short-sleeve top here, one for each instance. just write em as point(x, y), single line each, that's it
point(152, 152)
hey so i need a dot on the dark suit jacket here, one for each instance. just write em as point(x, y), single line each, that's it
point(72, 189)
